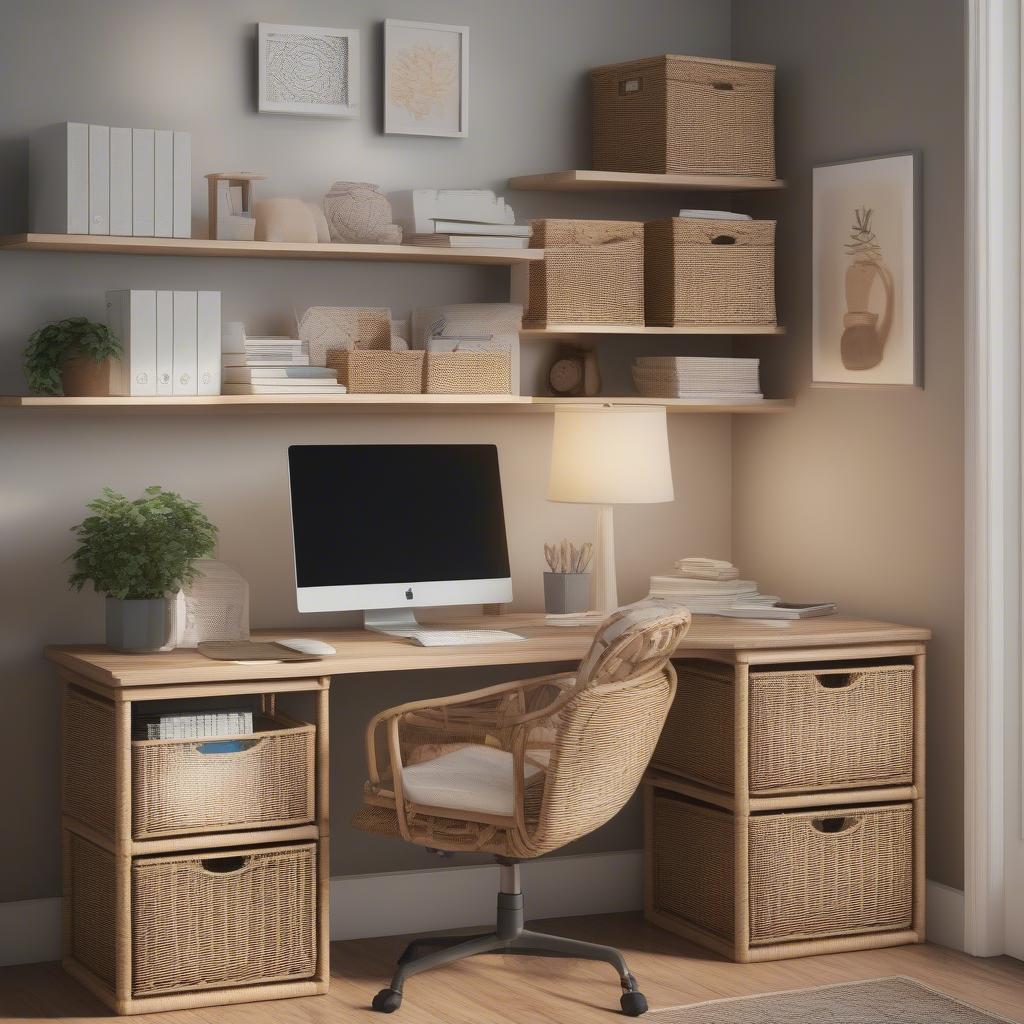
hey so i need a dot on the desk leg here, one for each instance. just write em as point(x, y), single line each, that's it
point(323, 817)
point(122, 854)
point(741, 813)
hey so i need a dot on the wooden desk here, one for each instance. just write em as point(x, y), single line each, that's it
point(120, 680)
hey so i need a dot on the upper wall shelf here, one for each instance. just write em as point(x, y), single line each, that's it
point(596, 330)
point(621, 181)
point(267, 250)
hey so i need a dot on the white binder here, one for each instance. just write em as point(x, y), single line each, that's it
point(208, 342)
point(182, 186)
point(185, 341)
point(164, 343)
point(99, 179)
point(58, 181)
point(131, 315)
point(163, 183)
point(142, 181)
point(120, 181)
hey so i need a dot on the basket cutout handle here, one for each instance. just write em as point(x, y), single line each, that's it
point(223, 865)
point(222, 747)
point(836, 680)
point(631, 86)
point(723, 240)
point(723, 86)
point(836, 826)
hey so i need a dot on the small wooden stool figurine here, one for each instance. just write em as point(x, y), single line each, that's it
point(231, 210)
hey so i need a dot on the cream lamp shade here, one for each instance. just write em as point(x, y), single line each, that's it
point(608, 455)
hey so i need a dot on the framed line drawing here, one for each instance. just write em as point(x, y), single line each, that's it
point(310, 71)
point(866, 272)
point(426, 79)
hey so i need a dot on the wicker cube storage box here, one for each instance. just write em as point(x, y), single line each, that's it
point(810, 728)
point(468, 373)
point(807, 882)
point(592, 273)
point(684, 115)
point(702, 272)
point(263, 780)
point(378, 371)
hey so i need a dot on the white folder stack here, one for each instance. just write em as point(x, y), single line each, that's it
point(170, 340)
point(457, 217)
point(90, 179)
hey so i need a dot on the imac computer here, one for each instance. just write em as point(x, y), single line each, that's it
point(387, 528)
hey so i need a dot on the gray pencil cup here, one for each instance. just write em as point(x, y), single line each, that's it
point(566, 592)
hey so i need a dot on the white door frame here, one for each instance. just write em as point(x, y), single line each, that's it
point(992, 476)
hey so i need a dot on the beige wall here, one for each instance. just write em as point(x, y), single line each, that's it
point(858, 495)
point(188, 64)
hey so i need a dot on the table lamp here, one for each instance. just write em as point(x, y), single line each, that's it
point(609, 455)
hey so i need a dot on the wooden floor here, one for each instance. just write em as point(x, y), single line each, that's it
point(520, 990)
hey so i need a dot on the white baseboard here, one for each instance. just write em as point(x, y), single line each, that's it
point(433, 899)
point(397, 902)
point(945, 915)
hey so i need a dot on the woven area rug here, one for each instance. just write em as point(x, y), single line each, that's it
point(880, 1001)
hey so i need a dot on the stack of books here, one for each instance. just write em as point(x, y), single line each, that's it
point(198, 725)
point(709, 587)
point(473, 217)
point(708, 379)
point(272, 366)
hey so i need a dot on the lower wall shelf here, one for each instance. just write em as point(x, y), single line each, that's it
point(377, 403)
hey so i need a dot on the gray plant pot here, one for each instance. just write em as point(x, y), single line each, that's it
point(137, 626)
point(566, 592)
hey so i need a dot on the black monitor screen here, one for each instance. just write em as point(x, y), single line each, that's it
point(396, 513)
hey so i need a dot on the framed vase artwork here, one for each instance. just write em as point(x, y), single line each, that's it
point(866, 276)
point(426, 79)
point(311, 71)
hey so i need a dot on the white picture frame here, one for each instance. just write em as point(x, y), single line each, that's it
point(866, 308)
point(308, 71)
point(426, 79)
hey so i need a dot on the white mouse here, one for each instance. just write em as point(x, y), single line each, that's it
point(305, 645)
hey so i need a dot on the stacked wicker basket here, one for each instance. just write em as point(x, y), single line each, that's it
point(785, 808)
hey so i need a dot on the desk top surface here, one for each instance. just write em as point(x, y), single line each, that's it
point(359, 651)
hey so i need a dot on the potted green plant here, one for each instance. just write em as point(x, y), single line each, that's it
point(138, 552)
point(73, 357)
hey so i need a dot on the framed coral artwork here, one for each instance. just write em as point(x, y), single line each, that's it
point(426, 79)
point(866, 272)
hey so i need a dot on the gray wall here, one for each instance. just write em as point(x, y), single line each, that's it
point(189, 65)
point(858, 495)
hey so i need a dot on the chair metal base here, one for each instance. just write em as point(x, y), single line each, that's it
point(509, 936)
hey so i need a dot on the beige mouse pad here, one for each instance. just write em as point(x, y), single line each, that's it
point(250, 650)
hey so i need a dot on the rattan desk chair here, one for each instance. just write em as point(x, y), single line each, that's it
point(521, 769)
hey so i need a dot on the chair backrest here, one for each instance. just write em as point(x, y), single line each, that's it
point(605, 733)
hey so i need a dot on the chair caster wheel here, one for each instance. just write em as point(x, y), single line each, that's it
point(633, 1004)
point(387, 1000)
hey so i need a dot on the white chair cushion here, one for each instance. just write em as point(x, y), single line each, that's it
point(472, 778)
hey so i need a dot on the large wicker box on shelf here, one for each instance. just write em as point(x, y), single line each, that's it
point(378, 371)
point(468, 373)
point(810, 729)
point(680, 115)
point(592, 273)
point(700, 271)
point(263, 780)
point(814, 875)
point(225, 918)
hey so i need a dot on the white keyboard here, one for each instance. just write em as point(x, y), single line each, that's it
point(454, 637)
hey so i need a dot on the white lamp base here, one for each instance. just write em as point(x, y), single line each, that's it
point(606, 597)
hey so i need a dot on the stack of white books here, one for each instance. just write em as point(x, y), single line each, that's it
point(199, 725)
point(472, 217)
point(697, 377)
point(272, 366)
point(708, 586)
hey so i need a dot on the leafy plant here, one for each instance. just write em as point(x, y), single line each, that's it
point(141, 548)
point(50, 345)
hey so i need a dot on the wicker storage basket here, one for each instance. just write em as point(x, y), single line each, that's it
point(592, 273)
point(469, 373)
point(681, 115)
point(231, 917)
point(87, 727)
point(700, 271)
point(181, 787)
point(378, 371)
point(811, 874)
point(810, 729)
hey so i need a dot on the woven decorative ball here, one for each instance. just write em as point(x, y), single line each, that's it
point(360, 212)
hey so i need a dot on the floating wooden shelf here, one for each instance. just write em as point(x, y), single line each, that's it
point(376, 403)
point(587, 330)
point(139, 246)
point(617, 181)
